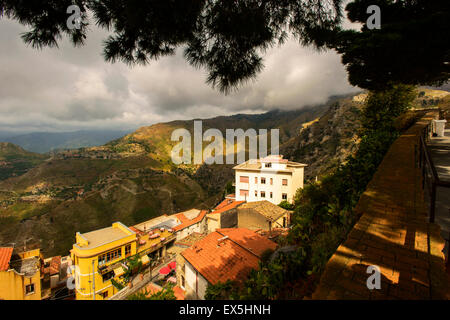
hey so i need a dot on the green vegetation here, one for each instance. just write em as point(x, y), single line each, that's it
point(286, 205)
point(222, 291)
point(165, 294)
point(15, 161)
point(117, 285)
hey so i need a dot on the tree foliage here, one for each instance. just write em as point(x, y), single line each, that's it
point(165, 293)
point(412, 46)
point(222, 291)
point(286, 205)
point(229, 38)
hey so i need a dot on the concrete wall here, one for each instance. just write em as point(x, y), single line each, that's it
point(199, 227)
point(249, 218)
point(196, 284)
point(213, 222)
point(229, 219)
point(12, 286)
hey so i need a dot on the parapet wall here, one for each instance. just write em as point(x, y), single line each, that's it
point(392, 233)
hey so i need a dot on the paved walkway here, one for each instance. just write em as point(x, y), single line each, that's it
point(393, 233)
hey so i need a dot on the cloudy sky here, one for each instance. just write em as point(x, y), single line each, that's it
point(70, 88)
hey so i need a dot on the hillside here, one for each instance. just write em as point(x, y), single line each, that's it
point(15, 161)
point(130, 179)
point(327, 141)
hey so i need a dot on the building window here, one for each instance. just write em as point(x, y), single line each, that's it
point(271, 195)
point(243, 193)
point(256, 180)
point(182, 282)
point(256, 193)
point(29, 289)
point(110, 256)
point(271, 181)
point(284, 196)
point(285, 182)
point(269, 165)
point(243, 179)
point(263, 194)
point(108, 276)
point(127, 250)
point(263, 180)
point(104, 294)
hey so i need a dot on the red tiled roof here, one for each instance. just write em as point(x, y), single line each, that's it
point(139, 232)
point(249, 239)
point(179, 293)
point(226, 205)
point(55, 265)
point(227, 259)
point(186, 222)
point(5, 257)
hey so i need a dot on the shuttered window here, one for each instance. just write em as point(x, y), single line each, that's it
point(243, 179)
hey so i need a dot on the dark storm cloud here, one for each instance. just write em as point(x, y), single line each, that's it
point(73, 88)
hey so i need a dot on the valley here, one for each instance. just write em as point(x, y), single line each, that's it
point(132, 179)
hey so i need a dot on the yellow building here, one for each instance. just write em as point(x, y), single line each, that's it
point(95, 257)
point(98, 256)
point(20, 275)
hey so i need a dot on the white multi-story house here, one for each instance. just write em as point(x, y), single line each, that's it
point(271, 178)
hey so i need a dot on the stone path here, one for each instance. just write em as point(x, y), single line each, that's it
point(393, 233)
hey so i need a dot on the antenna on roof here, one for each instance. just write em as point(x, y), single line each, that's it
point(221, 239)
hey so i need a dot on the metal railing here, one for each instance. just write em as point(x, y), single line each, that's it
point(430, 178)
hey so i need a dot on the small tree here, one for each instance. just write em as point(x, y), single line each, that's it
point(286, 205)
point(166, 293)
point(221, 290)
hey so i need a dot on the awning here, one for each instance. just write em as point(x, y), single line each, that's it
point(172, 265)
point(145, 260)
point(164, 271)
point(118, 271)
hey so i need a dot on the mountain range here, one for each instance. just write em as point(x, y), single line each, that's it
point(43, 142)
point(132, 178)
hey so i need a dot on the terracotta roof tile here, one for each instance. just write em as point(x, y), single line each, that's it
point(5, 257)
point(139, 232)
point(226, 205)
point(249, 239)
point(186, 222)
point(55, 265)
point(266, 208)
point(179, 293)
point(219, 259)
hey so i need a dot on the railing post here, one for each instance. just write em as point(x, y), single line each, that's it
point(416, 160)
point(423, 173)
point(433, 201)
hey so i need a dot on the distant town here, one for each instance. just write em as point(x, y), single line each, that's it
point(187, 250)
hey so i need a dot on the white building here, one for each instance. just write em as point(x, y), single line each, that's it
point(271, 178)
